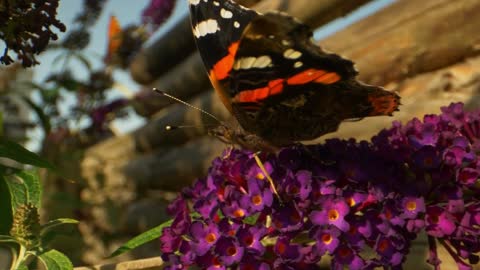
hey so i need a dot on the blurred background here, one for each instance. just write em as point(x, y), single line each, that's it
point(88, 105)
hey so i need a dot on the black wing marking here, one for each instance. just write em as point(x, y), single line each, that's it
point(229, 18)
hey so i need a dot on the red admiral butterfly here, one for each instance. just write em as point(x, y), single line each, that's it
point(278, 84)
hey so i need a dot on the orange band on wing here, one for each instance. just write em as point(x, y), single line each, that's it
point(274, 87)
point(383, 105)
point(314, 75)
point(328, 78)
point(223, 67)
point(305, 76)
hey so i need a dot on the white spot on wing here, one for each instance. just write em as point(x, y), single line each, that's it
point(247, 62)
point(262, 61)
point(236, 24)
point(194, 2)
point(226, 14)
point(291, 54)
point(285, 42)
point(253, 62)
point(297, 64)
point(216, 3)
point(204, 28)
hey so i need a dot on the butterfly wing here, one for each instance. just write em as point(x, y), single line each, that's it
point(285, 88)
point(217, 27)
point(277, 82)
point(114, 37)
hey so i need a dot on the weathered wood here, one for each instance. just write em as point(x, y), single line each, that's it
point(192, 81)
point(177, 44)
point(153, 135)
point(155, 263)
point(150, 63)
point(410, 37)
point(174, 169)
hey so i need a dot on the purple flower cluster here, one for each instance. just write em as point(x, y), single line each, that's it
point(157, 12)
point(362, 203)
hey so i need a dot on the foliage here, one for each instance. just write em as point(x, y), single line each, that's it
point(25, 28)
point(20, 228)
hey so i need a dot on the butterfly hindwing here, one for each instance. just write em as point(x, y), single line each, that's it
point(277, 50)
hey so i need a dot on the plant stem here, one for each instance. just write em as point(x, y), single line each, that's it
point(20, 257)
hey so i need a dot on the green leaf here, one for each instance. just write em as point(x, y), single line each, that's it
point(57, 222)
point(7, 239)
point(44, 119)
point(22, 267)
point(141, 239)
point(55, 260)
point(84, 60)
point(15, 151)
point(62, 56)
point(1, 124)
point(33, 187)
point(17, 190)
point(251, 220)
point(6, 209)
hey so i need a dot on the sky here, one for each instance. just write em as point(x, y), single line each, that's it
point(129, 12)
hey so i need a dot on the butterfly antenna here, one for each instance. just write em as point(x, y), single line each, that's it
point(169, 128)
point(187, 104)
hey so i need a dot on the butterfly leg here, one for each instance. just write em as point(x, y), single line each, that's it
point(267, 175)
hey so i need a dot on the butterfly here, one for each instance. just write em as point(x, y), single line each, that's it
point(278, 84)
point(123, 43)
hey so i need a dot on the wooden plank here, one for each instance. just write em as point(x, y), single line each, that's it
point(410, 37)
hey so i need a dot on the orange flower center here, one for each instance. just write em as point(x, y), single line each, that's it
point(216, 262)
point(249, 241)
point(281, 247)
point(257, 200)
point(383, 245)
point(388, 214)
point(295, 217)
point(351, 201)
point(333, 214)
point(239, 213)
point(231, 251)
point(327, 238)
point(344, 252)
point(260, 176)
point(210, 238)
point(411, 205)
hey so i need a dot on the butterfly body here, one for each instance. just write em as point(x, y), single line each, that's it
point(279, 85)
